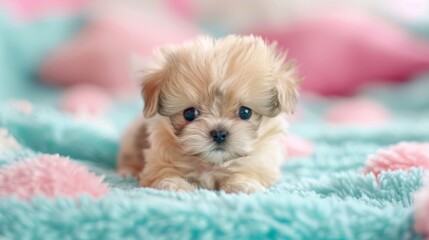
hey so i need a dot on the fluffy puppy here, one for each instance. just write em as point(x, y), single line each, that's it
point(212, 117)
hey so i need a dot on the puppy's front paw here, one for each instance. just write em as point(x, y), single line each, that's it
point(174, 184)
point(244, 185)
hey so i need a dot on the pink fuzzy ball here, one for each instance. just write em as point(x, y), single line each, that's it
point(421, 207)
point(358, 112)
point(402, 156)
point(49, 175)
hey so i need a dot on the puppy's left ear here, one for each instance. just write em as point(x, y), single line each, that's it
point(286, 88)
point(151, 89)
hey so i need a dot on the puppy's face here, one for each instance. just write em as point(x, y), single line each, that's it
point(216, 93)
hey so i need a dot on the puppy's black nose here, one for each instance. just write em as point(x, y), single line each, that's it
point(219, 136)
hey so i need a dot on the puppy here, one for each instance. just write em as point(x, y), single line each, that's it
point(213, 117)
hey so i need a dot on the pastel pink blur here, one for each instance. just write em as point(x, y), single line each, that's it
point(296, 146)
point(339, 53)
point(358, 112)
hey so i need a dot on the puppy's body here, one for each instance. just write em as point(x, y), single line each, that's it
point(214, 119)
point(165, 165)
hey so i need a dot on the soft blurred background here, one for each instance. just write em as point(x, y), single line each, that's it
point(81, 56)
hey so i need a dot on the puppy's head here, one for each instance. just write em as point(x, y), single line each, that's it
point(217, 92)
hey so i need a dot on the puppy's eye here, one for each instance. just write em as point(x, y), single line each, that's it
point(190, 114)
point(244, 113)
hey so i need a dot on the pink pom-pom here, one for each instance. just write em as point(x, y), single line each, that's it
point(402, 156)
point(85, 100)
point(421, 210)
point(49, 175)
point(298, 147)
point(358, 112)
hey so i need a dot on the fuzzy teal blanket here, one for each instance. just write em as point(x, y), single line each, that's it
point(323, 196)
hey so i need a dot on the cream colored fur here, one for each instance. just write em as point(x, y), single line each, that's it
point(216, 77)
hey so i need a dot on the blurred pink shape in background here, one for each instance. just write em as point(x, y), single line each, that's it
point(101, 53)
point(28, 9)
point(297, 146)
point(358, 112)
point(85, 99)
point(339, 53)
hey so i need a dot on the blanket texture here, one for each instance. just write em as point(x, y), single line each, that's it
point(324, 195)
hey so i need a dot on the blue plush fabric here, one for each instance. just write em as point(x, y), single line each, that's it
point(324, 196)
